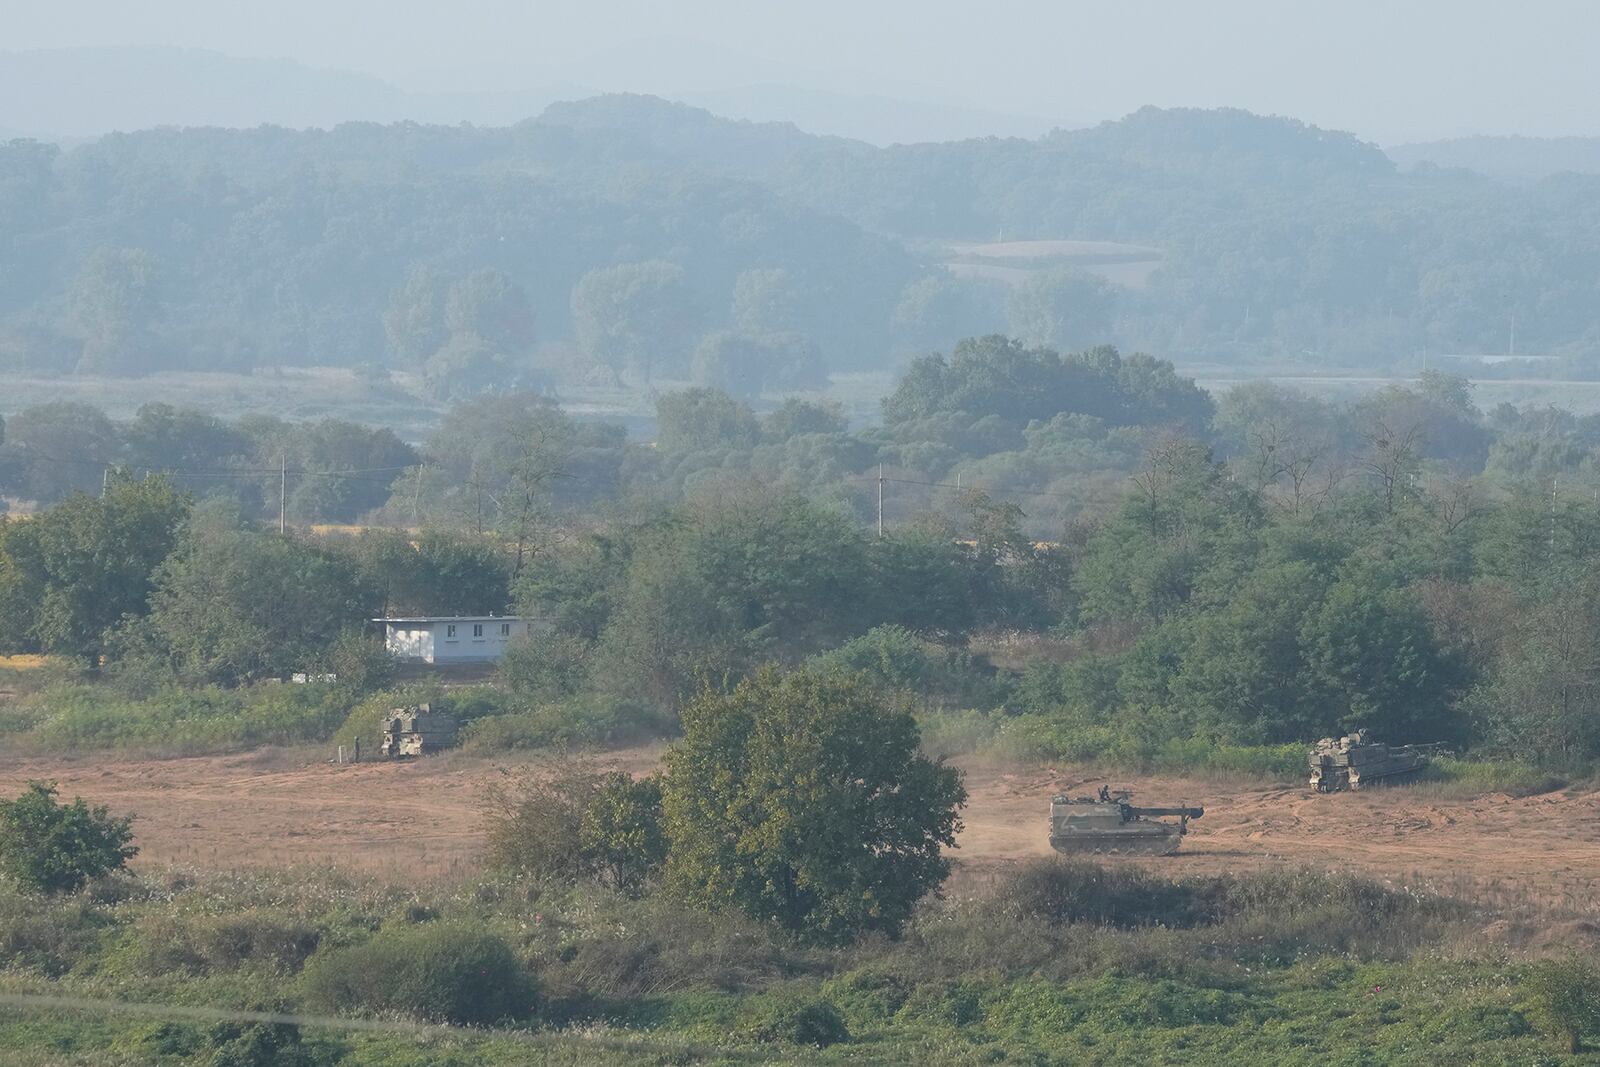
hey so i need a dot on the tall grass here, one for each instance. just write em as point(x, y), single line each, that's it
point(78, 717)
point(1458, 778)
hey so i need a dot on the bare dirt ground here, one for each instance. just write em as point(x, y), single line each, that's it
point(420, 819)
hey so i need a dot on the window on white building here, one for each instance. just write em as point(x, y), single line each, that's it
point(450, 631)
point(477, 629)
point(505, 629)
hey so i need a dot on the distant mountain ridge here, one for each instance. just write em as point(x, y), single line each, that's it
point(1510, 158)
point(85, 92)
point(74, 93)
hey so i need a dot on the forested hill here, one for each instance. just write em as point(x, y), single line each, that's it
point(641, 237)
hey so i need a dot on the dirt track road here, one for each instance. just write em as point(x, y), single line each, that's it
point(419, 819)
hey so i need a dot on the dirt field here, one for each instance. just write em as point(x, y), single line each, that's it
point(419, 819)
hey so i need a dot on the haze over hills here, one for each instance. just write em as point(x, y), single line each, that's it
point(1213, 236)
point(85, 92)
point(75, 93)
point(1510, 158)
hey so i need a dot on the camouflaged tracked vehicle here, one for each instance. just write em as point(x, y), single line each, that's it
point(416, 731)
point(1354, 761)
point(1108, 825)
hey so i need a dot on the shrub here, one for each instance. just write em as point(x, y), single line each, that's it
point(1566, 999)
point(194, 719)
point(1076, 891)
point(258, 1045)
point(655, 946)
point(576, 722)
point(533, 820)
point(621, 835)
point(201, 944)
point(576, 822)
point(547, 666)
point(896, 658)
point(55, 848)
point(359, 664)
point(799, 1019)
point(436, 972)
point(1476, 777)
point(48, 937)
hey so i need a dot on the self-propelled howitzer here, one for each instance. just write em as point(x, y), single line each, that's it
point(1108, 824)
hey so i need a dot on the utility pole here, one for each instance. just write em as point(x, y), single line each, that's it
point(1554, 511)
point(880, 500)
point(416, 497)
point(105, 482)
point(283, 492)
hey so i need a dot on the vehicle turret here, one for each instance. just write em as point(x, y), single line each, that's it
point(1109, 824)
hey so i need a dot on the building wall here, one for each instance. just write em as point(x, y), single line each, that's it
point(413, 642)
point(456, 642)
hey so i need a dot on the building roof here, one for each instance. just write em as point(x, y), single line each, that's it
point(450, 618)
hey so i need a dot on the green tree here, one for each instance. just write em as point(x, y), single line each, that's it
point(1245, 675)
point(749, 364)
point(724, 584)
point(765, 302)
point(51, 847)
point(637, 317)
point(1371, 645)
point(414, 320)
point(937, 310)
point(55, 449)
point(490, 305)
point(795, 416)
point(115, 306)
point(234, 604)
point(464, 366)
point(622, 835)
point(1064, 308)
point(698, 420)
point(70, 574)
point(1565, 997)
point(803, 800)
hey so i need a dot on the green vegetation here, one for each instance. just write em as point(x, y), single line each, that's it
point(802, 800)
point(1253, 574)
point(680, 231)
point(1566, 999)
point(55, 848)
point(434, 972)
point(1056, 961)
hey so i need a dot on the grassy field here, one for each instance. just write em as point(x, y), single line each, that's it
point(1053, 963)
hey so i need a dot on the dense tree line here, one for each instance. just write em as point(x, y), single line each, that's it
point(1264, 570)
point(653, 240)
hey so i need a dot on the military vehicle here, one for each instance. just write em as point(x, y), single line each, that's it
point(1107, 824)
point(1354, 761)
point(416, 731)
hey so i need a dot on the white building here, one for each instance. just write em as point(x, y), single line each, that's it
point(452, 638)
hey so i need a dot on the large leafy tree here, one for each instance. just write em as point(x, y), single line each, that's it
point(235, 604)
point(803, 800)
point(636, 317)
point(435, 573)
point(70, 574)
point(1062, 308)
point(725, 584)
point(51, 847)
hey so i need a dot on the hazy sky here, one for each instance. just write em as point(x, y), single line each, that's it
point(1394, 71)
